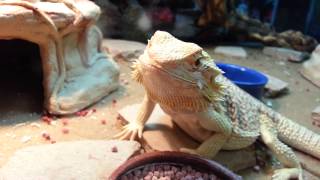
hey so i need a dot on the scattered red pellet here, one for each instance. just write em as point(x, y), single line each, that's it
point(114, 149)
point(114, 103)
point(94, 110)
point(46, 119)
point(65, 122)
point(65, 130)
point(82, 113)
point(46, 136)
point(103, 121)
point(53, 142)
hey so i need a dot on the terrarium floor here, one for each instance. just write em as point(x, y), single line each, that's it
point(22, 127)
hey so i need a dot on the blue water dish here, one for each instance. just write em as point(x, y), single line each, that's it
point(250, 80)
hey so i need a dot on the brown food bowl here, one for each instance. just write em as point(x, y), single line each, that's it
point(194, 161)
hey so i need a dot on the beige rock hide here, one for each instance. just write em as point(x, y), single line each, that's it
point(76, 73)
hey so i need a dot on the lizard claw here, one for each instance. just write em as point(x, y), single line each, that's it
point(189, 151)
point(130, 132)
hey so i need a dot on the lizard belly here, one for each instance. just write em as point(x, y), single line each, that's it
point(189, 123)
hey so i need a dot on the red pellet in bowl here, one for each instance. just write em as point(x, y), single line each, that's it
point(167, 171)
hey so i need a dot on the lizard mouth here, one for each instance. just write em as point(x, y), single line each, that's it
point(208, 83)
point(208, 69)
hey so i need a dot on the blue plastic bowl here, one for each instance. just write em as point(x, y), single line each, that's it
point(247, 79)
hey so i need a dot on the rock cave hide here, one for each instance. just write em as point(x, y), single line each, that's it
point(76, 73)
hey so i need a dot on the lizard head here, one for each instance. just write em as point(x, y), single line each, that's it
point(185, 61)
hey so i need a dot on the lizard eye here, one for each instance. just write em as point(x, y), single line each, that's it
point(197, 63)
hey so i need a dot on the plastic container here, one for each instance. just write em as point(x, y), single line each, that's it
point(175, 158)
point(250, 80)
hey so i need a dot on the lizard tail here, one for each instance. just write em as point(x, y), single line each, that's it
point(299, 137)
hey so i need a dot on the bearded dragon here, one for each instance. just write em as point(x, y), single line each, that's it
point(186, 83)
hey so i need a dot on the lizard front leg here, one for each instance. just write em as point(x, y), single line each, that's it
point(135, 128)
point(282, 152)
point(222, 129)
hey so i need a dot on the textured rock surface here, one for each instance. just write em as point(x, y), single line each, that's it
point(285, 54)
point(310, 69)
point(123, 49)
point(85, 160)
point(68, 78)
point(232, 51)
point(275, 86)
point(163, 135)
